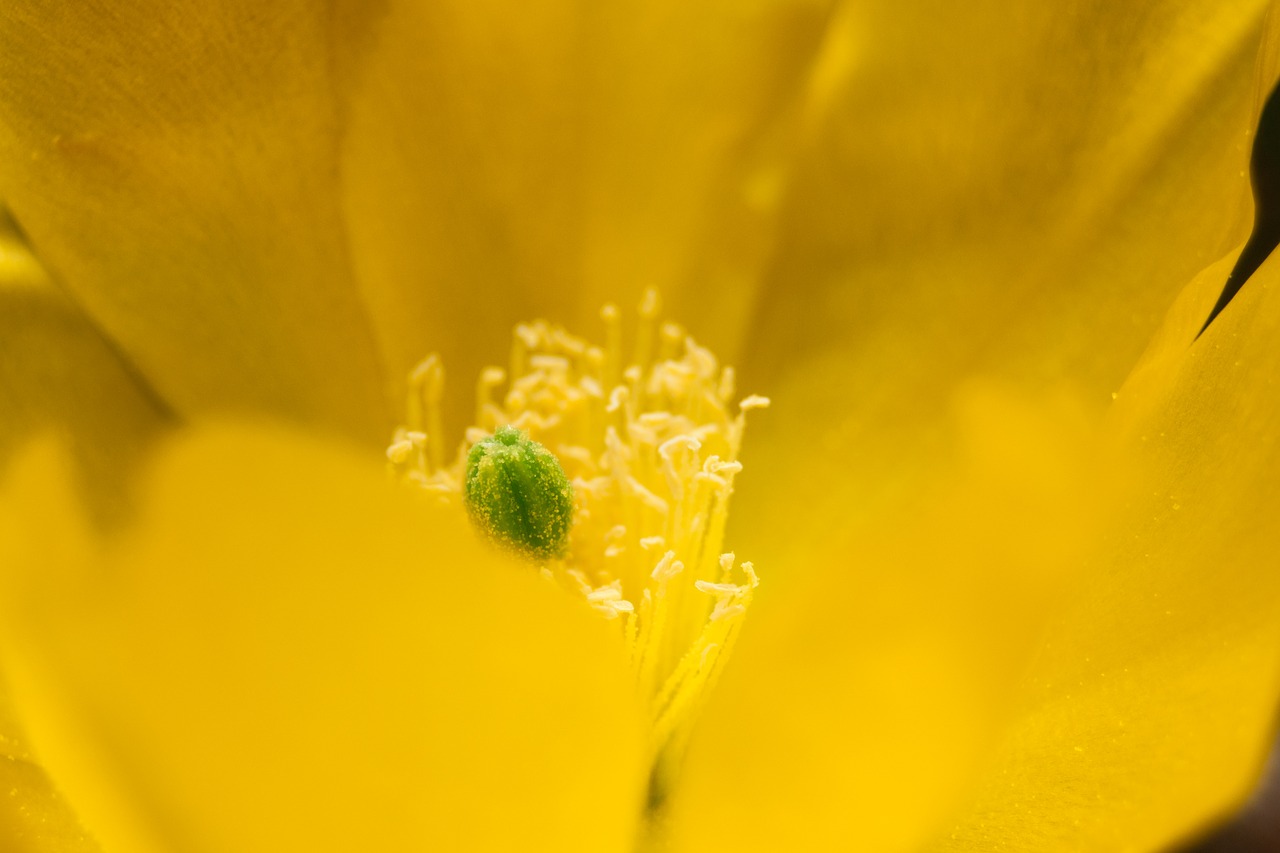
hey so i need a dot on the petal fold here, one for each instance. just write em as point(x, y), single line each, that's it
point(58, 374)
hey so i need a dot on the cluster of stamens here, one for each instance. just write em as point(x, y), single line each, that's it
point(651, 449)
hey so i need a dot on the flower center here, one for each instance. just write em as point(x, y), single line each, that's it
point(651, 449)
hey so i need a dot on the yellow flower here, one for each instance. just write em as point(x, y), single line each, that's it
point(1002, 610)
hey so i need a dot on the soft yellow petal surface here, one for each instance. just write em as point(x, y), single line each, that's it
point(58, 374)
point(1152, 704)
point(174, 166)
point(861, 697)
point(288, 653)
point(941, 387)
point(1015, 194)
point(507, 161)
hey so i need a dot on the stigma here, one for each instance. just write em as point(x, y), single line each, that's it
point(517, 493)
point(612, 476)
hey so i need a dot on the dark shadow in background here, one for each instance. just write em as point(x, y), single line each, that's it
point(1265, 169)
point(1256, 829)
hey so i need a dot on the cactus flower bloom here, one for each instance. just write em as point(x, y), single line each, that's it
point(1015, 515)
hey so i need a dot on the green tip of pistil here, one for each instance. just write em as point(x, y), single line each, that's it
point(519, 495)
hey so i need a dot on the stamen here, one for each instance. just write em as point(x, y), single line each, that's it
point(648, 456)
point(490, 379)
point(426, 389)
point(612, 318)
point(650, 305)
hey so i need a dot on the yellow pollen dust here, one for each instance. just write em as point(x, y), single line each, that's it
point(651, 447)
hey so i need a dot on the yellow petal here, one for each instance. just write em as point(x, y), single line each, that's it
point(509, 161)
point(289, 653)
point(175, 167)
point(57, 373)
point(1074, 171)
point(958, 335)
point(882, 696)
point(1010, 195)
point(1152, 705)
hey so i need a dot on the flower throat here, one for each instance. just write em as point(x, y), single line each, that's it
point(650, 448)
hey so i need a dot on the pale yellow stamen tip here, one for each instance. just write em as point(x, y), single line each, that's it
point(398, 452)
point(650, 303)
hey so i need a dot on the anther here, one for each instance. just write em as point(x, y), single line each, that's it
point(426, 389)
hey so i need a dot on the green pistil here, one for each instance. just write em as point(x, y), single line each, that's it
point(517, 493)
